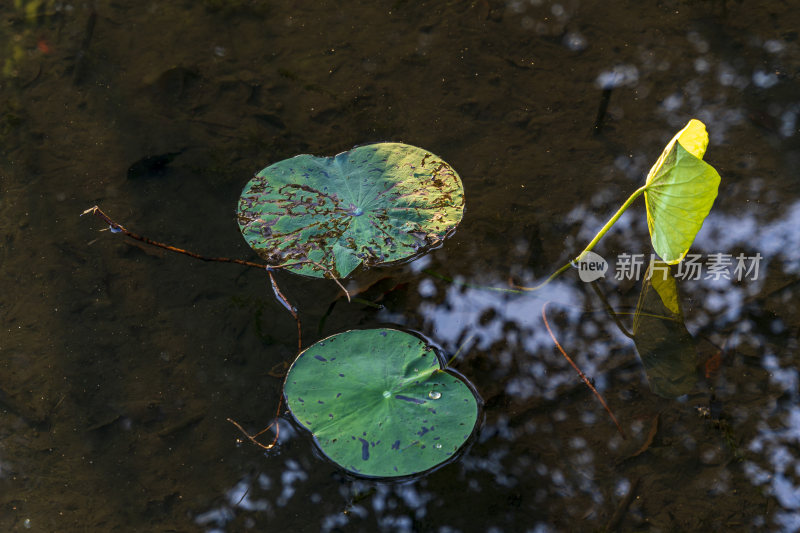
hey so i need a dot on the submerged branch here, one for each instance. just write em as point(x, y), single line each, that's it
point(580, 373)
point(254, 438)
point(119, 228)
point(289, 307)
point(610, 310)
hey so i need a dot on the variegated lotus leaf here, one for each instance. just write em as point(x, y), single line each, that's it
point(379, 403)
point(374, 204)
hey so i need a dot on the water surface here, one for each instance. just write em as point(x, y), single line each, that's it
point(120, 363)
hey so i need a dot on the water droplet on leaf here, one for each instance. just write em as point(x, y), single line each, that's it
point(434, 395)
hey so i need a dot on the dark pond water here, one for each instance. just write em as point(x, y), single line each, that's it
point(119, 364)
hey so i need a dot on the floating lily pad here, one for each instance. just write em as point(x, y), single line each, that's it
point(679, 192)
point(374, 204)
point(379, 403)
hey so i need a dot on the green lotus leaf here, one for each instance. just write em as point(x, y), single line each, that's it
point(379, 403)
point(374, 204)
point(679, 193)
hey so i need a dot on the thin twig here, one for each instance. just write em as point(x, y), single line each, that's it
point(289, 307)
point(460, 349)
point(246, 492)
point(580, 373)
point(333, 277)
point(254, 438)
point(610, 311)
point(119, 228)
point(622, 508)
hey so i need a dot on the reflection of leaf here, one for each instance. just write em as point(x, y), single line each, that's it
point(664, 344)
point(374, 204)
point(664, 284)
point(379, 403)
point(679, 192)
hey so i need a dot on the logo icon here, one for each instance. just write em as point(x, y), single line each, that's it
point(591, 267)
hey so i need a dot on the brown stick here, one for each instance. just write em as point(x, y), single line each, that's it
point(289, 307)
point(334, 278)
point(119, 228)
point(253, 439)
point(610, 311)
point(580, 373)
point(622, 508)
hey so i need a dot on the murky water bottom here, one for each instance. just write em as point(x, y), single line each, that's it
point(120, 363)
